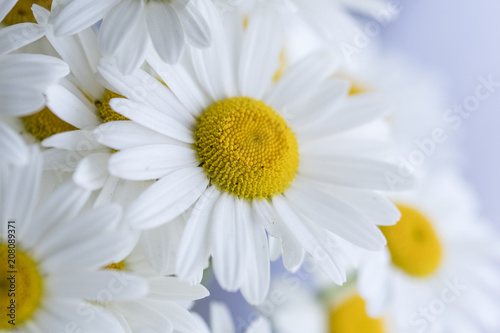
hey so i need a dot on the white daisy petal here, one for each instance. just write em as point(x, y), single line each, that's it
point(128, 58)
point(356, 111)
point(77, 140)
point(312, 241)
point(77, 15)
point(181, 83)
point(302, 80)
point(356, 172)
point(256, 69)
point(151, 162)
point(377, 207)
point(21, 186)
point(63, 204)
point(118, 24)
point(195, 26)
point(293, 252)
point(259, 325)
point(19, 35)
point(336, 216)
point(89, 285)
point(320, 104)
point(226, 235)
point(13, 149)
point(152, 118)
point(5, 8)
point(220, 318)
point(128, 134)
point(173, 194)
point(154, 322)
point(39, 70)
point(193, 260)
point(91, 173)
point(87, 225)
point(214, 78)
point(113, 248)
point(171, 288)
point(20, 101)
point(165, 30)
point(70, 108)
point(180, 318)
point(258, 274)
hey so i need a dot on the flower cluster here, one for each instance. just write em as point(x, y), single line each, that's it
point(148, 144)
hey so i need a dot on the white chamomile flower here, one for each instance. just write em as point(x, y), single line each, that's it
point(128, 27)
point(340, 310)
point(436, 274)
point(52, 254)
point(75, 106)
point(221, 321)
point(249, 155)
point(162, 309)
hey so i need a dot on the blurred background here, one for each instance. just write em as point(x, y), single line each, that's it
point(460, 41)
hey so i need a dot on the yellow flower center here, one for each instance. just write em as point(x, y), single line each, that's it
point(21, 12)
point(44, 124)
point(118, 266)
point(104, 110)
point(351, 317)
point(358, 88)
point(21, 287)
point(414, 245)
point(246, 148)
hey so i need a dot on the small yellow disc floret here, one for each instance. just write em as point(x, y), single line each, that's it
point(21, 12)
point(246, 148)
point(414, 245)
point(25, 286)
point(351, 317)
point(104, 110)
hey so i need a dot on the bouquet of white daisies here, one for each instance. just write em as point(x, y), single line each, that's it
point(150, 149)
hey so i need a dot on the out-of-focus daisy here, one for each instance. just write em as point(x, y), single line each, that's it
point(228, 141)
point(221, 321)
point(52, 253)
point(163, 308)
point(329, 310)
point(437, 274)
point(128, 26)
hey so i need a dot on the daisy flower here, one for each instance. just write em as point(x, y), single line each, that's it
point(342, 310)
point(129, 26)
point(248, 155)
point(74, 107)
point(221, 321)
point(439, 263)
point(52, 253)
point(163, 308)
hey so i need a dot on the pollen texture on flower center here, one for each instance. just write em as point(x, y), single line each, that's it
point(246, 148)
point(21, 12)
point(21, 282)
point(413, 243)
point(351, 317)
point(44, 124)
